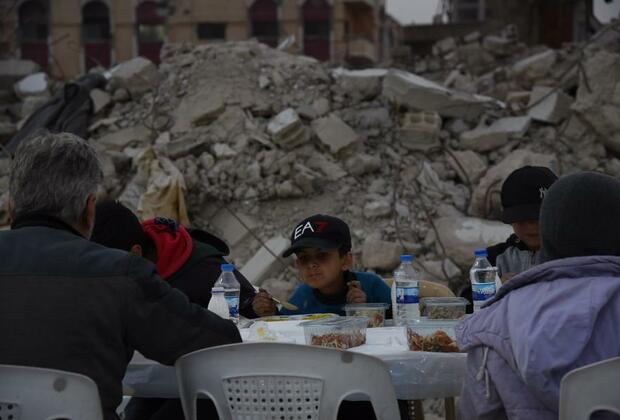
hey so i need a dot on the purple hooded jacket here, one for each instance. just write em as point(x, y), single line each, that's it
point(544, 323)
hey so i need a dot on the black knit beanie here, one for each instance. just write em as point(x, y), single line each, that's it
point(117, 227)
point(580, 216)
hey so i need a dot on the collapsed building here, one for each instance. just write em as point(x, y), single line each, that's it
point(245, 140)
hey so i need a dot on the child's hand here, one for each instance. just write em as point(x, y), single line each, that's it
point(355, 293)
point(263, 305)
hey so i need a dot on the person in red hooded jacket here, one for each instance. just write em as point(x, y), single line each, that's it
point(188, 260)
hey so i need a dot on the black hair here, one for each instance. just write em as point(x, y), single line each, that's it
point(117, 227)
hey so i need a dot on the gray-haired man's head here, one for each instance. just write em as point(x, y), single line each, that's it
point(56, 175)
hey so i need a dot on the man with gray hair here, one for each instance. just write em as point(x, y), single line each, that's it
point(68, 303)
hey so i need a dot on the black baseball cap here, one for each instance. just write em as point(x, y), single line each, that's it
point(322, 232)
point(117, 227)
point(523, 193)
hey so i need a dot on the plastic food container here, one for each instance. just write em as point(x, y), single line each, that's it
point(374, 311)
point(339, 333)
point(433, 336)
point(444, 307)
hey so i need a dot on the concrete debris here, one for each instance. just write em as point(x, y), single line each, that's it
point(34, 85)
point(381, 255)
point(598, 97)
point(100, 99)
point(462, 236)
point(138, 75)
point(549, 105)
point(335, 133)
point(236, 135)
point(421, 94)
point(420, 131)
point(469, 165)
point(375, 209)
point(535, 67)
point(265, 261)
point(287, 129)
point(121, 139)
point(12, 70)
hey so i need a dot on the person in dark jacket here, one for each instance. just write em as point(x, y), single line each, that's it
point(70, 304)
point(188, 260)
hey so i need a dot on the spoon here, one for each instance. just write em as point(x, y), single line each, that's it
point(285, 305)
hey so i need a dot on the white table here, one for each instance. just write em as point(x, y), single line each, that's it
point(416, 375)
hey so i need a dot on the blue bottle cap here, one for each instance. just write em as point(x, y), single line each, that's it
point(481, 253)
point(229, 268)
point(406, 258)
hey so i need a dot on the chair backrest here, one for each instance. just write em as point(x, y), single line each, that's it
point(590, 388)
point(261, 381)
point(36, 393)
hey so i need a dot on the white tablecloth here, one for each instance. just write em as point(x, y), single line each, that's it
point(416, 375)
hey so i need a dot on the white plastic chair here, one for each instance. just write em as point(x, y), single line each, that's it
point(260, 381)
point(590, 388)
point(29, 393)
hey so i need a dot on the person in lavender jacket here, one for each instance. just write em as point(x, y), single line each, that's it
point(553, 318)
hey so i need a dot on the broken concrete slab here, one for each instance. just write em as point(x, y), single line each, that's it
point(13, 70)
point(536, 66)
point(549, 106)
point(376, 209)
point(138, 75)
point(361, 164)
point(34, 85)
point(513, 126)
point(121, 95)
point(485, 197)
point(121, 139)
point(31, 104)
point(420, 131)
point(598, 97)
point(201, 108)
point(469, 165)
point(483, 139)
point(420, 94)
point(498, 45)
point(100, 99)
point(380, 255)
point(360, 84)
point(183, 147)
point(462, 236)
point(335, 133)
point(321, 106)
point(444, 46)
point(332, 170)
point(287, 130)
point(265, 261)
point(223, 151)
point(233, 228)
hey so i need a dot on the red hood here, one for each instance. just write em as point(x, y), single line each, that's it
point(173, 243)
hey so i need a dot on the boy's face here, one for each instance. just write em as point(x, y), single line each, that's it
point(529, 233)
point(322, 269)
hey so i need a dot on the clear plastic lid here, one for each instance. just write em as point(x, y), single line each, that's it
point(337, 323)
point(445, 301)
point(365, 306)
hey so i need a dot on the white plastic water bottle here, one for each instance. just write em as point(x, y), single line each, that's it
point(229, 283)
point(218, 304)
point(482, 276)
point(407, 291)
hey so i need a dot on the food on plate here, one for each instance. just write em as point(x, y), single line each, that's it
point(339, 340)
point(439, 341)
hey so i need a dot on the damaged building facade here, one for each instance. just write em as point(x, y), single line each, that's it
point(68, 37)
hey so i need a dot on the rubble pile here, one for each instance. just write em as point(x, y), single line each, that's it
point(245, 141)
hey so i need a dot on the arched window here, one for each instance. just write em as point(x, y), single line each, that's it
point(264, 21)
point(150, 31)
point(96, 34)
point(33, 32)
point(317, 28)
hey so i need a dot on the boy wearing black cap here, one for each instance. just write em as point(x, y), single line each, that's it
point(322, 246)
point(522, 195)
